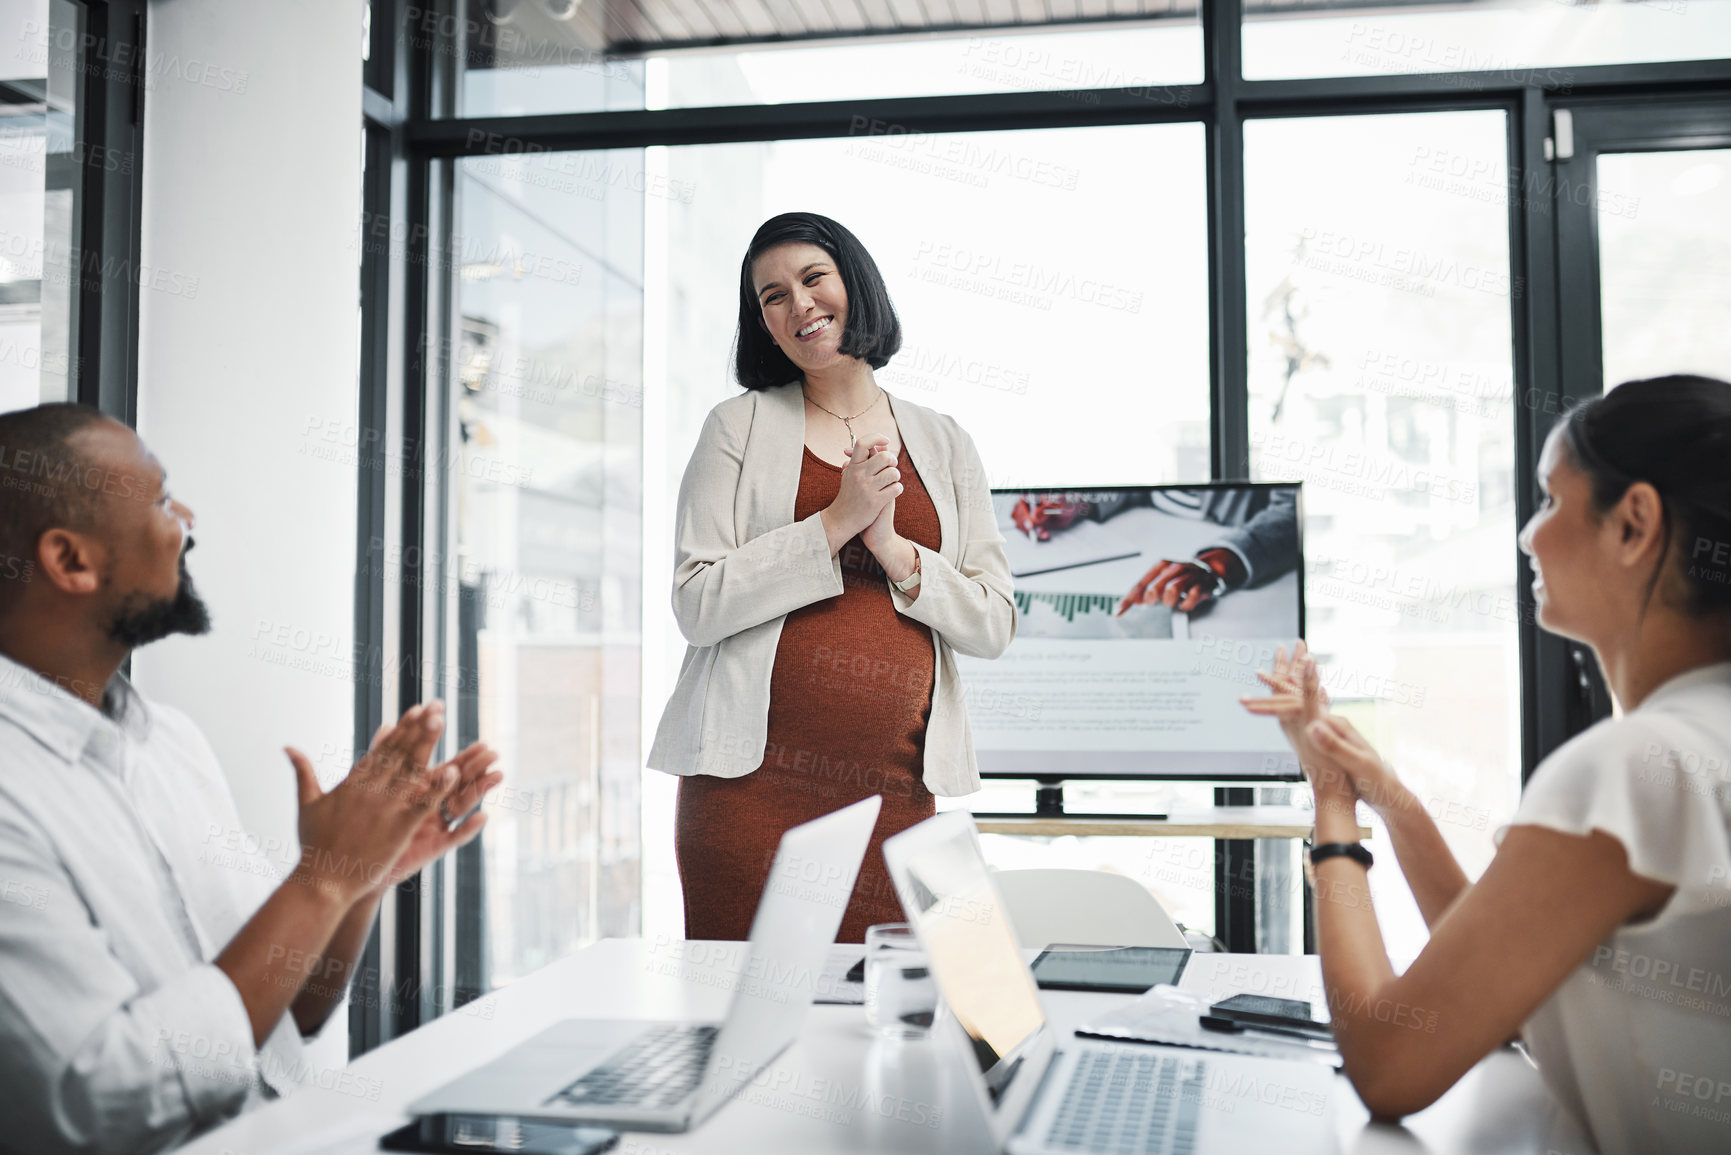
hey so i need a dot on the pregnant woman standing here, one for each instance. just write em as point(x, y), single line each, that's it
point(835, 546)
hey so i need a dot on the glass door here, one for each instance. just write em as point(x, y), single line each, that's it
point(1643, 200)
point(1644, 243)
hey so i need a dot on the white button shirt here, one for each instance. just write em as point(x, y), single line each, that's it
point(123, 872)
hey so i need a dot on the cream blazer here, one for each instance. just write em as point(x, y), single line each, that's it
point(742, 564)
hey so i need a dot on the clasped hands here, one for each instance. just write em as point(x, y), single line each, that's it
point(865, 507)
point(394, 813)
point(1340, 764)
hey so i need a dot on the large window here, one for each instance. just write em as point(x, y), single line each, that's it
point(1381, 377)
point(71, 82)
point(1145, 57)
point(1074, 354)
point(1510, 37)
point(541, 579)
point(41, 169)
point(523, 57)
point(1336, 261)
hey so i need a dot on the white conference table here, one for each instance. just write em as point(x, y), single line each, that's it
point(838, 1088)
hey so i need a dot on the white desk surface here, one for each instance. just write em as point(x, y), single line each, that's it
point(838, 1088)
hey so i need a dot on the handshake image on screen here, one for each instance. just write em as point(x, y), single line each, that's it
point(1255, 542)
point(1126, 596)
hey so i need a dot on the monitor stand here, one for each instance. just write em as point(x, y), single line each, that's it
point(1049, 803)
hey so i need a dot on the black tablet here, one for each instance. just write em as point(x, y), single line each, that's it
point(1127, 969)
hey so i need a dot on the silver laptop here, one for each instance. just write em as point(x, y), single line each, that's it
point(1096, 1097)
point(672, 1076)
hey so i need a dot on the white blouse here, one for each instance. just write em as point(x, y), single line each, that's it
point(1637, 1042)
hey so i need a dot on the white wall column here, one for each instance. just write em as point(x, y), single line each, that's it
point(247, 372)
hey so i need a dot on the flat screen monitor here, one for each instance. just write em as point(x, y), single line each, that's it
point(1144, 614)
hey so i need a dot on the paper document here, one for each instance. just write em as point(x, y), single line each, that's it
point(1084, 543)
point(1172, 1016)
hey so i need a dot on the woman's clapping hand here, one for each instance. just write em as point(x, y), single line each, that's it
point(1296, 697)
point(1336, 758)
point(1339, 745)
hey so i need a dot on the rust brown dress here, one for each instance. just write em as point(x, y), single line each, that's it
point(848, 703)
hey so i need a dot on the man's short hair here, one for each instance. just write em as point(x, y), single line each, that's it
point(41, 485)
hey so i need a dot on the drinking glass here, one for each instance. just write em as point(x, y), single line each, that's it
point(901, 1000)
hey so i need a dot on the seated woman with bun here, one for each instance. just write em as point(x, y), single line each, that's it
point(1601, 931)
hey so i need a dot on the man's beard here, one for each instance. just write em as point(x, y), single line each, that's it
point(140, 620)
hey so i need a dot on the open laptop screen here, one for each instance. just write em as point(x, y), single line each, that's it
point(804, 898)
point(973, 953)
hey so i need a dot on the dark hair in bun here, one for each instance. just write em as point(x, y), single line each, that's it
point(1674, 433)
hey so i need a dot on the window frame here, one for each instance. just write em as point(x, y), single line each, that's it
point(1555, 702)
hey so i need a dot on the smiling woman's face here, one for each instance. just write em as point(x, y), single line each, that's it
point(804, 303)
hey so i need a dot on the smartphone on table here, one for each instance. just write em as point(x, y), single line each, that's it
point(1264, 1011)
point(451, 1133)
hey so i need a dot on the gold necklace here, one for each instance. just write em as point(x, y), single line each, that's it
point(848, 421)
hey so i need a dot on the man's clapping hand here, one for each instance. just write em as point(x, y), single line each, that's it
point(438, 834)
point(383, 821)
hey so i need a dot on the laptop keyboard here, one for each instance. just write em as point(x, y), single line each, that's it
point(657, 1069)
point(1128, 1102)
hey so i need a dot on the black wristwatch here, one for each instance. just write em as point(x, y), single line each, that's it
point(1352, 850)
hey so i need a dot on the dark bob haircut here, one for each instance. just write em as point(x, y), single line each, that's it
point(1674, 433)
point(872, 332)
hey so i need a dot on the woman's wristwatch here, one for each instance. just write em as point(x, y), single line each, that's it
point(910, 583)
point(1352, 850)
